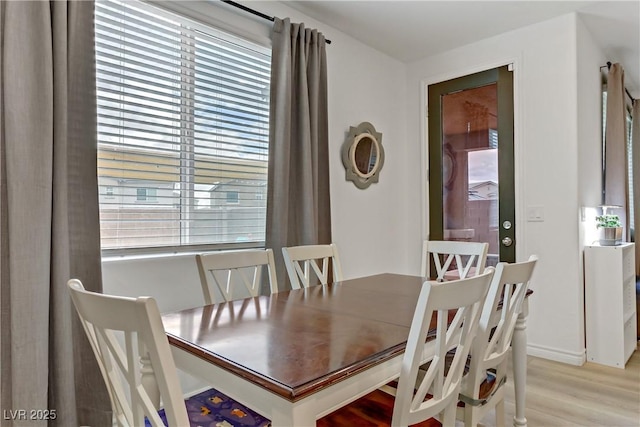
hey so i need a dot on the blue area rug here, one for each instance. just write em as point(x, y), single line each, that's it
point(214, 409)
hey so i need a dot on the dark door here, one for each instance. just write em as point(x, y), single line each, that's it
point(471, 172)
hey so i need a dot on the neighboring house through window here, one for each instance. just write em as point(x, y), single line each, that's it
point(183, 117)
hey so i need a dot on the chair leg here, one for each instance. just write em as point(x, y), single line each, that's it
point(500, 417)
point(449, 416)
point(470, 416)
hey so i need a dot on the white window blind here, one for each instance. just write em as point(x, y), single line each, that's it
point(629, 122)
point(183, 121)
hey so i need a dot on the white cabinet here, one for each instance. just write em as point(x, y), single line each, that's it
point(610, 303)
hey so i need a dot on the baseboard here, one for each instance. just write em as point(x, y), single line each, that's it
point(191, 385)
point(571, 358)
point(191, 393)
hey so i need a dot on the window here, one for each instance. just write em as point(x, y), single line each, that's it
point(146, 194)
point(629, 140)
point(493, 138)
point(629, 122)
point(233, 197)
point(183, 115)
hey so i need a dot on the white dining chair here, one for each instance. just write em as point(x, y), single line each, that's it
point(228, 275)
point(453, 259)
point(133, 354)
point(302, 261)
point(419, 398)
point(138, 370)
point(483, 386)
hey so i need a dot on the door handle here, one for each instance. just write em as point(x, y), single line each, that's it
point(507, 241)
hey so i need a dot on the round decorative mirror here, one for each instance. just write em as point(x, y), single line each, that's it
point(449, 168)
point(362, 155)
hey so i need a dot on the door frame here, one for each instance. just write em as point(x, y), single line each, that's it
point(513, 62)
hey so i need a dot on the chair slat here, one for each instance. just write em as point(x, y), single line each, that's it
point(300, 261)
point(229, 275)
point(468, 257)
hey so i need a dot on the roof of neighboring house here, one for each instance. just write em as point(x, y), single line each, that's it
point(162, 165)
point(482, 184)
point(219, 186)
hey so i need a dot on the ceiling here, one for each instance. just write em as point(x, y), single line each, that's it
point(412, 30)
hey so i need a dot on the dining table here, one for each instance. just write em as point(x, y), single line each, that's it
point(295, 356)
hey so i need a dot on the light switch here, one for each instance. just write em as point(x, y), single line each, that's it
point(535, 213)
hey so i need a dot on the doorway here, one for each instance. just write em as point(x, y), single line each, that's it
point(471, 172)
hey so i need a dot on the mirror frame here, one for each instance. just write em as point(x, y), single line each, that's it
point(355, 135)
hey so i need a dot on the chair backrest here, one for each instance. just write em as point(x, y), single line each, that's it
point(301, 261)
point(442, 381)
point(497, 321)
point(133, 353)
point(459, 259)
point(223, 273)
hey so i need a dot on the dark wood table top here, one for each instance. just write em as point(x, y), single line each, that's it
point(295, 342)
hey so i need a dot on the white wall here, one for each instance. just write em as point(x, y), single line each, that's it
point(590, 59)
point(589, 101)
point(369, 226)
point(550, 133)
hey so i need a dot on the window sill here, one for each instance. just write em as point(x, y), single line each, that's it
point(110, 255)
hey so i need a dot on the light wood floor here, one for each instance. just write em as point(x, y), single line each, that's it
point(590, 395)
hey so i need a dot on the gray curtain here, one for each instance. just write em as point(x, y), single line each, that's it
point(48, 212)
point(616, 188)
point(298, 207)
point(635, 151)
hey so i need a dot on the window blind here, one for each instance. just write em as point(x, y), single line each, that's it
point(183, 125)
point(629, 122)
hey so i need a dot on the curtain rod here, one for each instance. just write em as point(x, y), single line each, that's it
point(255, 12)
point(625, 89)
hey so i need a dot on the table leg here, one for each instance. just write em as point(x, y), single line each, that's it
point(291, 417)
point(519, 355)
